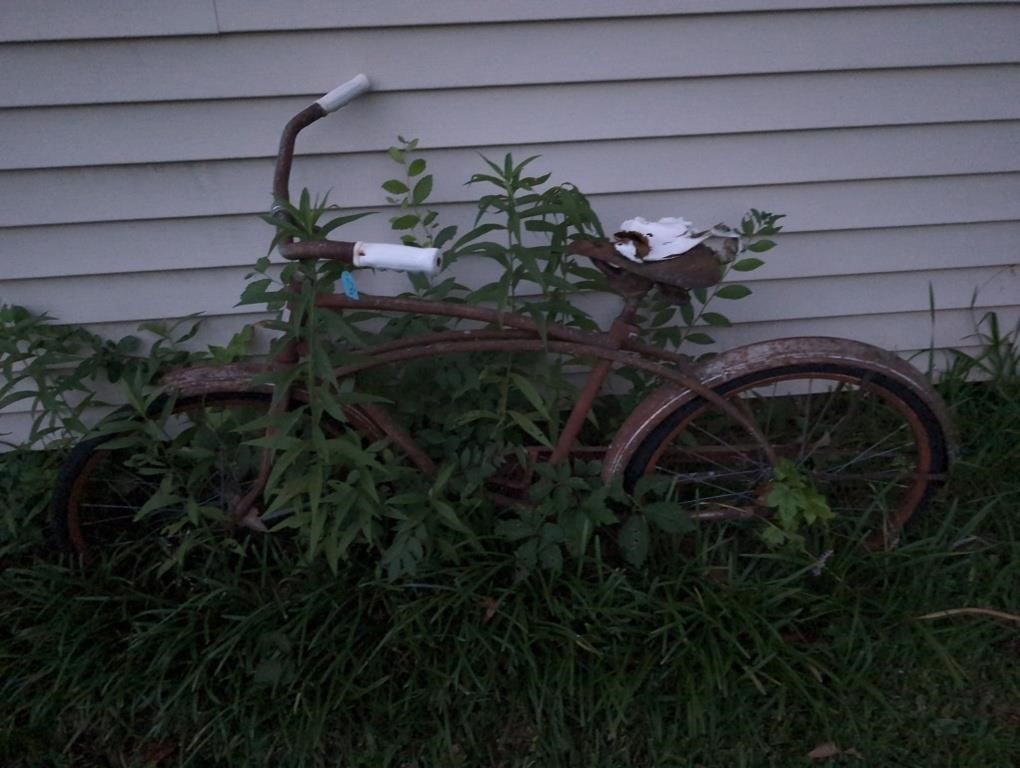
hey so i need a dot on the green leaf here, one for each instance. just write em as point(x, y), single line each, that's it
point(781, 497)
point(4, 402)
point(255, 292)
point(761, 246)
point(395, 187)
point(733, 292)
point(550, 558)
point(663, 316)
point(445, 235)
point(816, 507)
point(527, 554)
point(339, 221)
point(746, 265)
point(525, 422)
point(408, 221)
point(670, 516)
point(773, 536)
point(449, 517)
point(714, 318)
point(442, 478)
point(529, 391)
point(164, 497)
point(514, 530)
point(699, 338)
point(417, 166)
point(268, 672)
point(422, 190)
point(634, 540)
point(474, 234)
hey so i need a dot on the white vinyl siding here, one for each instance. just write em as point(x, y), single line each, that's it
point(137, 138)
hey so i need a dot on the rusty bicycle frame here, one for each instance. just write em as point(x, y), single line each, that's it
point(682, 380)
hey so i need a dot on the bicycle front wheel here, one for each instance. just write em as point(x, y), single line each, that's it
point(867, 442)
point(198, 456)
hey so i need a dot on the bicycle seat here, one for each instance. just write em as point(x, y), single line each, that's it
point(700, 267)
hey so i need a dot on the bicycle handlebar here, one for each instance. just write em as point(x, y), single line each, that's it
point(344, 93)
point(373, 255)
point(331, 102)
point(406, 258)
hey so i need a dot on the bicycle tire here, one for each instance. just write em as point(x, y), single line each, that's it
point(98, 494)
point(891, 459)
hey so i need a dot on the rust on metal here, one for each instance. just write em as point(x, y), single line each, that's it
point(738, 362)
point(621, 357)
point(336, 250)
point(466, 335)
point(621, 329)
point(382, 420)
point(502, 321)
point(209, 379)
point(285, 155)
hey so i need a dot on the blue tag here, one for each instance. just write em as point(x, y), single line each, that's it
point(350, 287)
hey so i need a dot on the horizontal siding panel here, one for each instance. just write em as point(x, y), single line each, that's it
point(837, 209)
point(60, 19)
point(849, 252)
point(839, 205)
point(141, 296)
point(901, 332)
point(238, 240)
point(141, 246)
point(845, 296)
point(193, 189)
point(577, 51)
point(245, 16)
point(14, 429)
point(170, 132)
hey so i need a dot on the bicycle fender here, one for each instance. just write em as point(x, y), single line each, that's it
point(761, 356)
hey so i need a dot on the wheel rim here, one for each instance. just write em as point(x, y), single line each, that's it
point(854, 437)
point(200, 446)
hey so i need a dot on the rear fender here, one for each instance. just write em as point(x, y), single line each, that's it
point(759, 357)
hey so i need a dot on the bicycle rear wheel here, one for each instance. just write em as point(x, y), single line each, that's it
point(197, 457)
point(867, 442)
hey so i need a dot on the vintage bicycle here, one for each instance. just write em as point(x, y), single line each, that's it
point(861, 424)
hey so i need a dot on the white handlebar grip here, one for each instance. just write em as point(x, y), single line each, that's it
point(404, 257)
point(342, 94)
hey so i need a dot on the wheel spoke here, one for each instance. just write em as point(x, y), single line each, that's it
point(852, 433)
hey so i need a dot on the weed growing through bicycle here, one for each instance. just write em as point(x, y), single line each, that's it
point(338, 492)
point(482, 410)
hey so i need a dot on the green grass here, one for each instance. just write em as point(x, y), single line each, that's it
point(238, 661)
